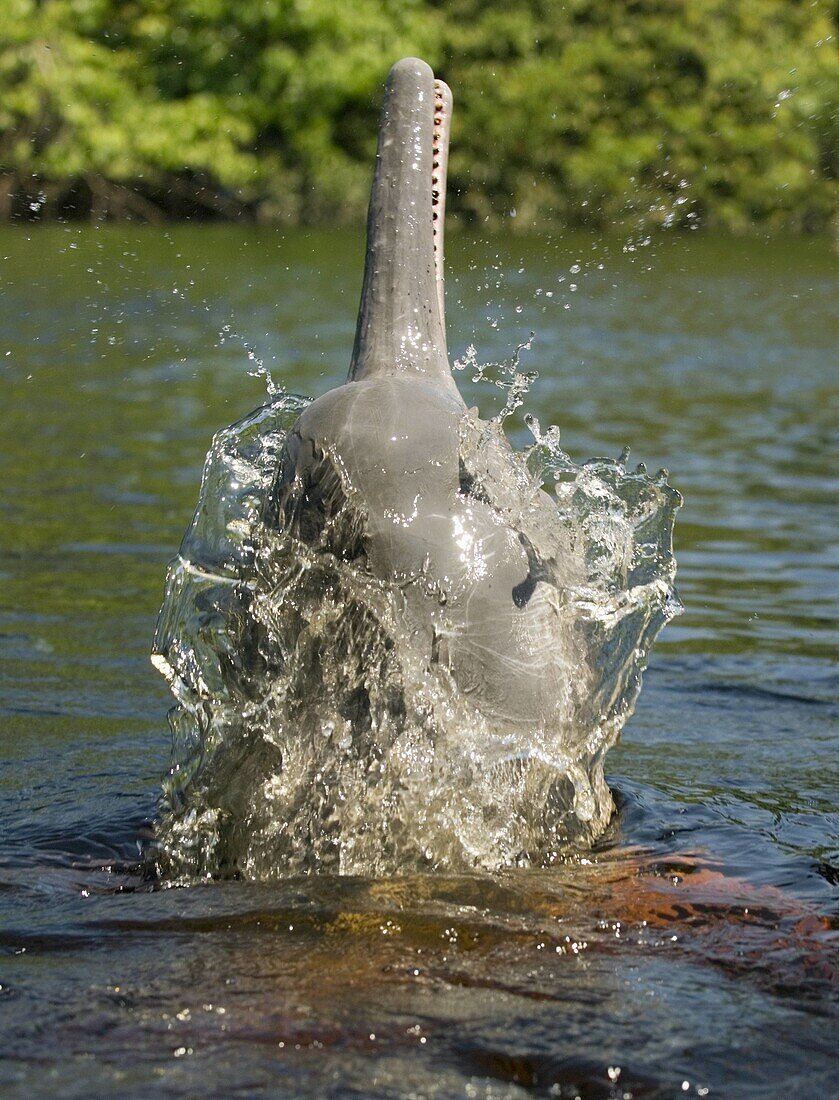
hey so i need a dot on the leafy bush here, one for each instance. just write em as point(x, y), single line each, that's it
point(722, 112)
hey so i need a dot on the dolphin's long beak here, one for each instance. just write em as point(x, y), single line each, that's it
point(401, 320)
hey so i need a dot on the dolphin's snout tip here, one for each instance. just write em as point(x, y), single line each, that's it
point(410, 68)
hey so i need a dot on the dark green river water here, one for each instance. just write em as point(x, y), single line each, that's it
point(693, 953)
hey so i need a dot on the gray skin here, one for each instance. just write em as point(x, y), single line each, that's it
point(393, 432)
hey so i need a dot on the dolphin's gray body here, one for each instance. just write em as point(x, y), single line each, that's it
point(479, 599)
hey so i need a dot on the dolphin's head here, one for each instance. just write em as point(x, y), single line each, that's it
point(401, 321)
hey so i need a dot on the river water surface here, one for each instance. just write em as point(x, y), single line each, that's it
point(693, 953)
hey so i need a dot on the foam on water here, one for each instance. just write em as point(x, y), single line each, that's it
point(311, 732)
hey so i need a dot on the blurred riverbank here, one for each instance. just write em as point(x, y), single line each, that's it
point(717, 113)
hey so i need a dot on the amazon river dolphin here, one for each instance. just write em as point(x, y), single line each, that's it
point(390, 646)
point(482, 604)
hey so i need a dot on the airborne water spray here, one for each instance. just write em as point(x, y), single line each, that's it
point(394, 641)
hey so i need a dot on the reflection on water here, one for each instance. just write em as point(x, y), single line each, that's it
point(633, 973)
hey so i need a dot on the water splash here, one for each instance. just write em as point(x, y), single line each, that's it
point(310, 732)
point(257, 368)
point(506, 375)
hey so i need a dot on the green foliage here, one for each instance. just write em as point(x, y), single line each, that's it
point(584, 111)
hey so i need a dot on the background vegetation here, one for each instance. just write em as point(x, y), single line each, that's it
point(718, 112)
